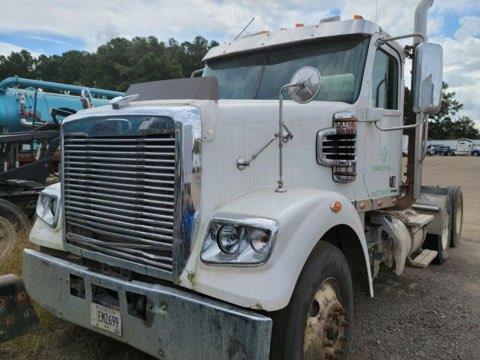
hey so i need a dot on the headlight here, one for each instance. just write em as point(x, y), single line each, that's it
point(239, 241)
point(228, 239)
point(47, 208)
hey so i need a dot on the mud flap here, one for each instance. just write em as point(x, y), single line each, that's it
point(17, 316)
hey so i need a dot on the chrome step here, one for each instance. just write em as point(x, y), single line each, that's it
point(424, 258)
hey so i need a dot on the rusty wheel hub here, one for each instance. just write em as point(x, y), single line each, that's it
point(326, 327)
point(8, 237)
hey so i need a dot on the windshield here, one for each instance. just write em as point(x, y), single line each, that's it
point(260, 75)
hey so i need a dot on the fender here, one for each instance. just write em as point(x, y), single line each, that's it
point(303, 216)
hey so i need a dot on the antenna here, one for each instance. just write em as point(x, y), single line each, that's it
point(245, 28)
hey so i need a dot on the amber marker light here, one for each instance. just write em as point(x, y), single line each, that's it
point(336, 206)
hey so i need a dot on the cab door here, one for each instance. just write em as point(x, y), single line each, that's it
point(384, 148)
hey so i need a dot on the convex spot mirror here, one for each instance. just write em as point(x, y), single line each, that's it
point(427, 78)
point(305, 84)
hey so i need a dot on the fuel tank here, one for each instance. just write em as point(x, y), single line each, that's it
point(21, 98)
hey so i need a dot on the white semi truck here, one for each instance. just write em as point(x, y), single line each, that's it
point(228, 216)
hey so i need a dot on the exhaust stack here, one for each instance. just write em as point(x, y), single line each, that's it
point(417, 140)
point(420, 23)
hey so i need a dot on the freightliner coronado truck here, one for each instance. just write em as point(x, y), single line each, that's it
point(228, 216)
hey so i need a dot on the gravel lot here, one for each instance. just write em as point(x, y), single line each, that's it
point(431, 313)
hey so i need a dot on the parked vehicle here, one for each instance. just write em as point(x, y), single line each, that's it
point(228, 216)
point(476, 150)
point(26, 103)
point(437, 149)
point(465, 147)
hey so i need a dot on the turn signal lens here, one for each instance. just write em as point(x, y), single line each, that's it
point(336, 206)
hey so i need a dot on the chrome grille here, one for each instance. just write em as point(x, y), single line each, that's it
point(120, 196)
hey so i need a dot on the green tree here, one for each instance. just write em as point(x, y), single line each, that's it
point(115, 65)
point(444, 124)
point(17, 63)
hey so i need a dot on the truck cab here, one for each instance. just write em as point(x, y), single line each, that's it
point(228, 216)
point(464, 147)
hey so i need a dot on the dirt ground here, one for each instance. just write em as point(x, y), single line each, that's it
point(431, 313)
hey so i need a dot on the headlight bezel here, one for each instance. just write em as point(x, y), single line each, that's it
point(48, 208)
point(246, 254)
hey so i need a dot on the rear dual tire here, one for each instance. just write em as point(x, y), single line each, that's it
point(452, 231)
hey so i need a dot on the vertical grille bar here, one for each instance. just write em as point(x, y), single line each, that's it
point(119, 195)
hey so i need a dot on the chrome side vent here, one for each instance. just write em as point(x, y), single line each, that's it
point(336, 147)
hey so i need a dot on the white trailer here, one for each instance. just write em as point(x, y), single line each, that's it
point(228, 216)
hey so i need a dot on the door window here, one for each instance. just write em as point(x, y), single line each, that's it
point(385, 81)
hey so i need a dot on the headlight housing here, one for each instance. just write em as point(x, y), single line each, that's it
point(235, 240)
point(48, 208)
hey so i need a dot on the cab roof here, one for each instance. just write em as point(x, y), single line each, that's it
point(266, 39)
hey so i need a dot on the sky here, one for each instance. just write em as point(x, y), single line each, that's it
point(55, 26)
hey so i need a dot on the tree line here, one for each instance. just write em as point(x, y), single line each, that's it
point(121, 62)
point(114, 65)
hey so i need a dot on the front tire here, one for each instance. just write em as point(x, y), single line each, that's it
point(316, 323)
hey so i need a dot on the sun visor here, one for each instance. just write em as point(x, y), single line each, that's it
point(199, 88)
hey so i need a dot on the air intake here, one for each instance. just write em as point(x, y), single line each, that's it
point(336, 147)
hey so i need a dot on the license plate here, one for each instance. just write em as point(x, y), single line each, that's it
point(106, 318)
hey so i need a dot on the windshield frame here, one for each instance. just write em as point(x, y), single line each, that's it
point(365, 38)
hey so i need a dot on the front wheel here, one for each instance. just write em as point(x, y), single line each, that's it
point(316, 323)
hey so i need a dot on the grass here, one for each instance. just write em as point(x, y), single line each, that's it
point(25, 347)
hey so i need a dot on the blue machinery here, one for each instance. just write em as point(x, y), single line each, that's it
point(27, 103)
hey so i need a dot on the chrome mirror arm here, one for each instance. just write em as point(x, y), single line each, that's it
point(243, 163)
point(403, 127)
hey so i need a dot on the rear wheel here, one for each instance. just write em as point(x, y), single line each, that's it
point(315, 325)
point(456, 197)
point(454, 192)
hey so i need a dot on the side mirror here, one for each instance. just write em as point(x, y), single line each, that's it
point(305, 84)
point(427, 78)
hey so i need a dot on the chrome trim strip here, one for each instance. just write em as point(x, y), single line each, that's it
point(426, 207)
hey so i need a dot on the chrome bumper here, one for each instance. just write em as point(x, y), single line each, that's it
point(177, 325)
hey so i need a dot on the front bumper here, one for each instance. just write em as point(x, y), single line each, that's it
point(178, 324)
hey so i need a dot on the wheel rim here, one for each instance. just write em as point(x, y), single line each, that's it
point(446, 232)
point(8, 237)
point(458, 217)
point(327, 324)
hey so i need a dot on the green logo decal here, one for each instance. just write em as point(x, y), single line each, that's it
point(383, 153)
